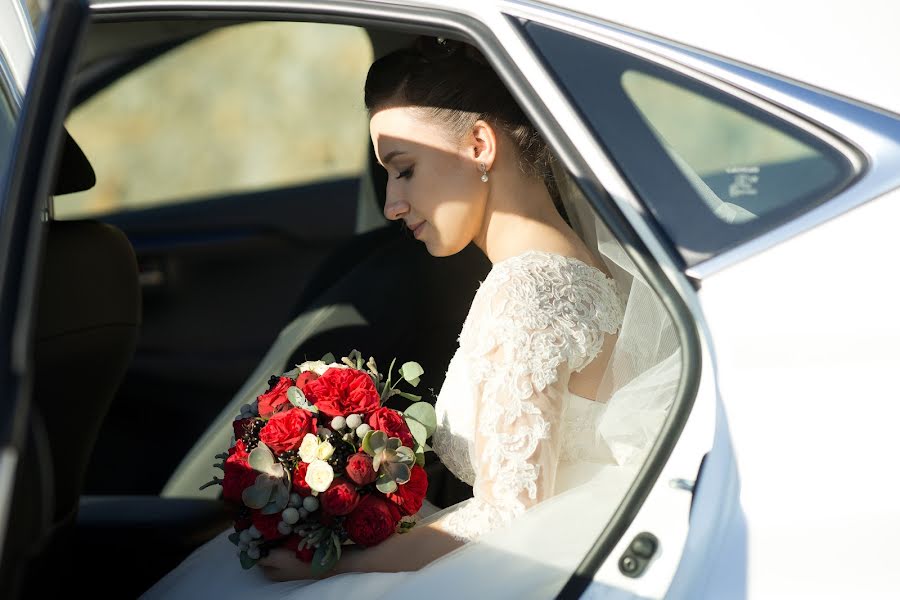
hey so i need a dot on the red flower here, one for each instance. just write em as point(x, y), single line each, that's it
point(275, 400)
point(410, 495)
point(359, 469)
point(285, 430)
point(340, 498)
point(304, 378)
point(373, 521)
point(238, 473)
point(267, 524)
point(392, 423)
point(299, 481)
point(239, 427)
point(342, 392)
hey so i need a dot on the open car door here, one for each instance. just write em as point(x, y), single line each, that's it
point(26, 495)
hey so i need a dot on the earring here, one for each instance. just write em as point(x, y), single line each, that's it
point(484, 175)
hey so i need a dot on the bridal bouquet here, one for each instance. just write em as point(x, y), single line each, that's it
point(318, 462)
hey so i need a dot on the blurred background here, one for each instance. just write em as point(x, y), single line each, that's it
point(247, 107)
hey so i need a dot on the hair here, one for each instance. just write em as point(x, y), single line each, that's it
point(452, 84)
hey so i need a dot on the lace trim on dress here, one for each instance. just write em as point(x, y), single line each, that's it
point(535, 315)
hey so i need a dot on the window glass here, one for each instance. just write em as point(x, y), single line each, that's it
point(247, 107)
point(712, 169)
point(750, 166)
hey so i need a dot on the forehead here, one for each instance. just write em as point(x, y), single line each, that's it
point(398, 128)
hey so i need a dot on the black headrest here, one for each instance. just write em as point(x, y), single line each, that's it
point(75, 173)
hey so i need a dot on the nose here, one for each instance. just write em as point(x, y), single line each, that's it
point(395, 209)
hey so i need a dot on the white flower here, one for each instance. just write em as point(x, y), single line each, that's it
point(309, 447)
point(319, 367)
point(319, 475)
point(324, 451)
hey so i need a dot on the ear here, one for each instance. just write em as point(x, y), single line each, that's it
point(484, 143)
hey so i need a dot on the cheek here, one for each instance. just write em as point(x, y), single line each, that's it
point(457, 218)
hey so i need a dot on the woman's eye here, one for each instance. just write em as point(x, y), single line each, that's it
point(405, 174)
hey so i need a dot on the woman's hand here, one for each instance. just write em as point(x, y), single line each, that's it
point(283, 565)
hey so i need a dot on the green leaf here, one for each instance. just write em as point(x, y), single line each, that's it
point(418, 431)
point(398, 472)
point(387, 383)
point(411, 372)
point(324, 559)
point(258, 494)
point(246, 561)
point(261, 458)
point(292, 374)
point(420, 458)
point(423, 412)
point(328, 358)
point(235, 538)
point(408, 396)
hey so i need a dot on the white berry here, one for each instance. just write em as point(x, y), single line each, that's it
point(290, 515)
point(245, 536)
point(295, 500)
point(338, 423)
point(243, 545)
point(303, 513)
point(362, 430)
point(354, 421)
point(310, 504)
point(253, 553)
point(254, 532)
point(284, 528)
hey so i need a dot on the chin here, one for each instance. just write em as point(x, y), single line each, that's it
point(441, 250)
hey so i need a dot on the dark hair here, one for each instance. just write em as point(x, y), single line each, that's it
point(452, 83)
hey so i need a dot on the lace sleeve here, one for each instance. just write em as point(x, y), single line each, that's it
point(530, 326)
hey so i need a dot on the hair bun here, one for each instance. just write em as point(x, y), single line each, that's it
point(441, 48)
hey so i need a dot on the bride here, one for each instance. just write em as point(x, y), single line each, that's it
point(518, 409)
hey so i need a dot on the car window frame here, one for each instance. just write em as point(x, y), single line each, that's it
point(680, 213)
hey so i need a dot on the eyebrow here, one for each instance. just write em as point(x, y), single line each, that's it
point(390, 156)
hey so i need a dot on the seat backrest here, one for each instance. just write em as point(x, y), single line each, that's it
point(88, 315)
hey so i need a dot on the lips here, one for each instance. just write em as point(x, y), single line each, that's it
point(416, 229)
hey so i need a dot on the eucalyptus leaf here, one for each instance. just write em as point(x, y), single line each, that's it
point(411, 372)
point(337, 545)
point(328, 358)
point(393, 443)
point(420, 458)
point(385, 484)
point(261, 459)
point(258, 494)
point(423, 412)
point(296, 396)
point(418, 431)
point(235, 538)
point(407, 395)
point(246, 561)
point(293, 373)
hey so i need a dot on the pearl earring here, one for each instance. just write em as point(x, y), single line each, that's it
point(484, 175)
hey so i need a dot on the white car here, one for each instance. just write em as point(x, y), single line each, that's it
point(747, 159)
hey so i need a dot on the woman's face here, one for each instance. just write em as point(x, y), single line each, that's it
point(434, 181)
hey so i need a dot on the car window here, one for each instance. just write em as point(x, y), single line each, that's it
point(712, 169)
point(248, 107)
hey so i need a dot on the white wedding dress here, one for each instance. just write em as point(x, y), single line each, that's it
point(509, 426)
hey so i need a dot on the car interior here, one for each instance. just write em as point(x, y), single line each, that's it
point(155, 323)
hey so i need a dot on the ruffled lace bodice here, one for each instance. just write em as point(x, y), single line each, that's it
point(507, 424)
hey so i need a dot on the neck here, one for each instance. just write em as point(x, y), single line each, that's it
point(519, 216)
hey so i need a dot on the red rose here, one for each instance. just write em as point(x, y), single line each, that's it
point(392, 423)
point(359, 469)
point(410, 495)
point(305, 377)
point(342, 392)
point(285, 430)
point(299, 481)
point(340, 498)
point(239, 427)
point(239, 475)
point(275, 400)
point(373, 521)
point(267, 524)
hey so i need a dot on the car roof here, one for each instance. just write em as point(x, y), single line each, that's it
point(850, 48)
